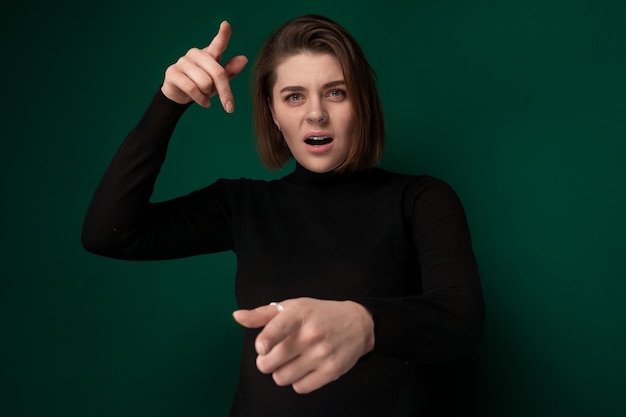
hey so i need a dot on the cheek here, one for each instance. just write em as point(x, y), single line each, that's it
point(281, 115)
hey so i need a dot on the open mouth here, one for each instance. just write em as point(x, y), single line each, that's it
point(318, 140)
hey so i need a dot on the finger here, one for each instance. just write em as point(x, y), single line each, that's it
point(277, 330)
point(294, 372)
point(179, 87)
point(201, 78)
point(209, 77)
point(298, 341)
point(221, 81)
point(311, 370)
point(256, 318)
point(219, 43)
point(314, 380)
point(280, 356)
point(235, 65)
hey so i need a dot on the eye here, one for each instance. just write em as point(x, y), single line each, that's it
point(295, 97)
point(336, 93)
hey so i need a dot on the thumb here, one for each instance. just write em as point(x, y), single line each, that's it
point(256, 318)
point(235, 65)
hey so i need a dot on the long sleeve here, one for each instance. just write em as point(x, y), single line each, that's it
point(446, 320)
point(121, 222)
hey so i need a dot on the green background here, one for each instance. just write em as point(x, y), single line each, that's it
point(520, 105)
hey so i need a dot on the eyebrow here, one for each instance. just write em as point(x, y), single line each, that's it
point(298, 88)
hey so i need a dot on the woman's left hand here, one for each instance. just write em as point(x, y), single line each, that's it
point(308, 343)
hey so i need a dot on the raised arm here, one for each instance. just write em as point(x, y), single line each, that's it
point(121, 221)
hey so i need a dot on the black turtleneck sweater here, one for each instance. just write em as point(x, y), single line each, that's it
point(397, 244)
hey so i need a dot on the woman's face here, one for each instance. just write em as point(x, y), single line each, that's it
point(312, 108)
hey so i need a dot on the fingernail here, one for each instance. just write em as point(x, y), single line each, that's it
point(229, 106)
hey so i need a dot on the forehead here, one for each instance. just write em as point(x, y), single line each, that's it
point(308, 70)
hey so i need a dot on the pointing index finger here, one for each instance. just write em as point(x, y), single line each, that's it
point(219, 43)
point(256, 318)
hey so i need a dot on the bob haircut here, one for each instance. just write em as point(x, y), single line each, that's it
point(318, 34)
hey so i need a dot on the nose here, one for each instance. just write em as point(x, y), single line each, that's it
point(316, 113)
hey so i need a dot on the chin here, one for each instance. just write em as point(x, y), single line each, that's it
point(321, 167)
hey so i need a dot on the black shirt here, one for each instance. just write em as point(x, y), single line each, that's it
point(398, 244)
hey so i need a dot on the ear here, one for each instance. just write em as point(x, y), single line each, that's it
point(271, 107)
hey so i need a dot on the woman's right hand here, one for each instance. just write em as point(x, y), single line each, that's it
point(199, 75)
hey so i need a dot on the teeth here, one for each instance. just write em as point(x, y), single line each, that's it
point(318, 140)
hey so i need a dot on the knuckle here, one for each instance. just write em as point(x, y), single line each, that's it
point(314, 334)
point(220, 73)
point(331, 371)
point(335, 366)
point(193, 52)
point(279, 327)
point(183, 60)
point(325, 351)
point(189, 88)
point(170, 71)
point(205, 85)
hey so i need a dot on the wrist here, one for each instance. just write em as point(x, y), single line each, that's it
point(366, 321)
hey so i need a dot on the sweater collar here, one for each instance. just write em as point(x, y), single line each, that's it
point(304, 176)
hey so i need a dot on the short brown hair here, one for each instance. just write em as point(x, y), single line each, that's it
point(318, 34)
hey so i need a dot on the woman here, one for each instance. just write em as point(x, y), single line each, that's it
point(352, 281)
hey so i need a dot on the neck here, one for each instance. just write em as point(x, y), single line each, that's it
point(305, 176)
